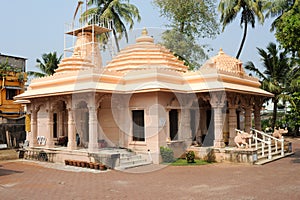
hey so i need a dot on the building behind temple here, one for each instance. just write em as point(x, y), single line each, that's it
point(12, 83)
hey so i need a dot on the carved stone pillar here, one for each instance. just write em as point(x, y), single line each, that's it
point(60, 123)
point(257, 119)
point(248, 121)
point(93, 135)
point(185, 133)
point(33, 138)
point(217, 103)
point(71, 130)
point(49, 134)
point(232, 124)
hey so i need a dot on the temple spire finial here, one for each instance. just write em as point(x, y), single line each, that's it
point(144, 32)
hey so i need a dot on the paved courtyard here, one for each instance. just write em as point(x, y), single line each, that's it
point(32, 180)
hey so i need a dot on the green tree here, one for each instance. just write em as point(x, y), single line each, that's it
point(47, 65)
point(288, 29)
point(121, 12)
point(184, 47)
point(279, 72)
point(250, 9)
point(190, 20)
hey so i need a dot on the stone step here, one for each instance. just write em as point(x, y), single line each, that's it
point(276, 157)
point(132, 165)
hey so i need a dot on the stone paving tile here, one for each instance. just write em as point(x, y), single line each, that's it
point(31, 180)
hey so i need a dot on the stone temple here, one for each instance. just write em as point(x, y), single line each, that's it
point(144, 98)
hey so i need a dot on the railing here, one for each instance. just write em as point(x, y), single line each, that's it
point(92, 19)
point(267, 139)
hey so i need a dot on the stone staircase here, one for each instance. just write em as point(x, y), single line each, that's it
point(268, 148)
point(263, 156)
point(121, 159)
point(133, 160)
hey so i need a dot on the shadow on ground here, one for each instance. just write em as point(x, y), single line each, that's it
point(296, 156)
point(4, 172)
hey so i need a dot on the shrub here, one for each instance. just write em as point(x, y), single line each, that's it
point(167, 154)
point(190, 156)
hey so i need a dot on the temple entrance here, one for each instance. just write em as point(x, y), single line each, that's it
point(208, 140)
point(138, 125)
point(60, 123)
point(173, 118)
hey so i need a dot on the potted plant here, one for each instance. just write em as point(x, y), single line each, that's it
point(190, 156)
point(67, 162)
point(102, 167)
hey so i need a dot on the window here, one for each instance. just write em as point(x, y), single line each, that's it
point(10, 93)
point(138, 125)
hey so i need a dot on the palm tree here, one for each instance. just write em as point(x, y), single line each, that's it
point(250, 9)
point(47, 65)
point(276, 8)
point(279, 72)
point(120, 12)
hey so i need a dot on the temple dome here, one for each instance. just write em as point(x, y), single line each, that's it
point(145, 54)
point(224, 62)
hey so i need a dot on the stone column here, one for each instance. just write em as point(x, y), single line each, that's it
point(248, 121)
point(257, 119)
point(185, 132)
point(217, 103)
point(33, 138)
point(60, 124)
point(49, 134)
point(93, 135)
point(232, 124)
point(71, 130)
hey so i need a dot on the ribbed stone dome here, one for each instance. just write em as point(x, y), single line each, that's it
point(224, 62)
point(144, 54)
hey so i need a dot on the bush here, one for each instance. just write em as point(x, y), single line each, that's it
point(190, 156)
point(167, 154)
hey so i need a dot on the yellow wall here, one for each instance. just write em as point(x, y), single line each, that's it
point(8, 105)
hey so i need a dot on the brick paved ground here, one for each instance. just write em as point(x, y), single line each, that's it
point(277, 180)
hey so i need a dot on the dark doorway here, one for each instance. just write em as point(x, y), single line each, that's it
point(138, 125)
point(209, 138)
point(173, 117)
point(55, 125)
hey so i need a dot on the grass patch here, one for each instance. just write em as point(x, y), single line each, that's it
point(183, 162)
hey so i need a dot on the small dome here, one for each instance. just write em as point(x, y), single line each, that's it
point(224, 62)
point(144, 54)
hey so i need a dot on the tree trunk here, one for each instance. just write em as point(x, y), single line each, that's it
point(243, 40)
point(275, 102)
point(116, 40)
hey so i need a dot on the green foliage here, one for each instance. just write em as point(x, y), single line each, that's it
point(6, 68)
point(292, 118)
point(250, 9)
point(167, 154)
point(190, 156)
point(288, 29)
point(185, 47)
point(47, 65)
point(189, 21)
point(182, 162)
point(194, 18)
point(278, 76)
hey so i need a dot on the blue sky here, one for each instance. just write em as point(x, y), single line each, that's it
point(30, 28)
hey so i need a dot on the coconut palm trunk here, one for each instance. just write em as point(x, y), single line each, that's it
point(275, 102)
point(243, 40)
